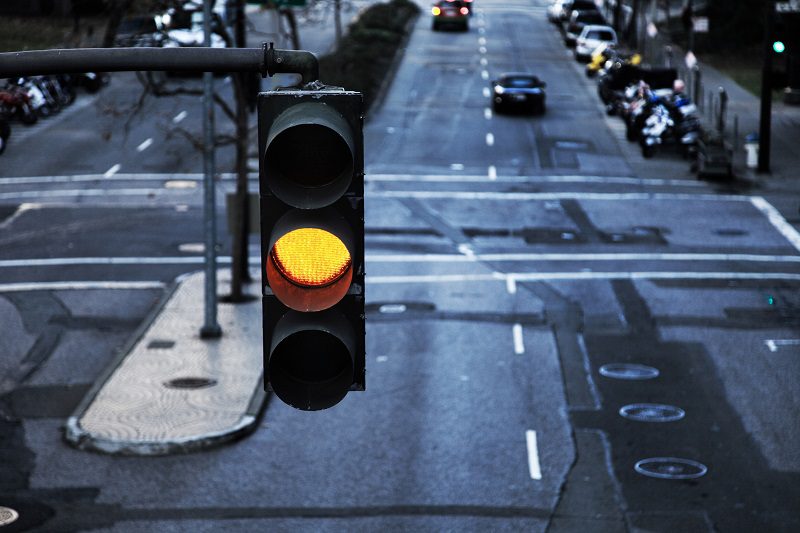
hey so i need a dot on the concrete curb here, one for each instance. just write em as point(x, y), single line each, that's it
point(395, 65)
point(112, 435)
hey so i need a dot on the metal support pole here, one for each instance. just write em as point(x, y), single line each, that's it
point(765, 123)
point(211, 328)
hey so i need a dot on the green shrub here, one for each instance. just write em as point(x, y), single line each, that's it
point(366, 52)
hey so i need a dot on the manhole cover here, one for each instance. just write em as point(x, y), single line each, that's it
point(158, 344)
point(651, 412)
point(190, 383)
point(628, 371)
point(670, 468)
point(7, 515)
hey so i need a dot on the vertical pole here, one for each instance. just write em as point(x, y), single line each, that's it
point(765, 123)
point(210, 327)
point(337, 16)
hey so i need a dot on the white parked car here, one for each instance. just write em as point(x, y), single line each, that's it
point(590, 38)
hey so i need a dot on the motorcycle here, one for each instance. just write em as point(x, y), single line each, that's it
point(5, 133)
point(15, 102)
point(657, 128)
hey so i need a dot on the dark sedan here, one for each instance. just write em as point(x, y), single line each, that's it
point(520, 91)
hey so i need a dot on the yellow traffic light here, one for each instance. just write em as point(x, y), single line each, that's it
point(311, 257)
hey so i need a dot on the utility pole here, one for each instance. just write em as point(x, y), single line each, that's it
point(765, 122)
point(210, 329)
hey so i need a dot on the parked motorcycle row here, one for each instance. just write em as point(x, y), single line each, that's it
point(653, 105)
point(26, 100)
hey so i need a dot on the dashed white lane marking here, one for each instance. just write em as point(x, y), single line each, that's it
point(466, 249)
point(774, 344)
point(424, 178)
point(486, 92)
point(511, 285)
point(481, 40)
point(492, 172)
point(490, 139)
point(777, 220)
point(456, 166)
point(79, 285)
point(484, 61)
point(487, 113)
point(481, 30)
point(381, 358)
point(482, 49)
point(533, 455)
point(519, 346)
point(485, 74)
point(111, 171)
point(145, 145)
point(77, 193)
point(179, 117)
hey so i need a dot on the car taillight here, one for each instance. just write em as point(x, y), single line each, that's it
point(436, 11)
point(464, 11)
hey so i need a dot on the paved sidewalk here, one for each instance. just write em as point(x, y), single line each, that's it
point(172, 391)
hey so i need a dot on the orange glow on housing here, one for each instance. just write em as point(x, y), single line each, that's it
point(311, 257)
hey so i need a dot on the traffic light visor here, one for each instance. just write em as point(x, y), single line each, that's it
point(311, 257)
point(308, 160)
point(311, 363)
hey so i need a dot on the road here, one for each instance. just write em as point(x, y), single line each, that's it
point(513, 263)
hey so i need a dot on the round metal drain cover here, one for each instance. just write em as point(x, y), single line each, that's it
point(651, 412)
point(628, 371)
point(190, 383)
point(7, 515)
point(670, 468)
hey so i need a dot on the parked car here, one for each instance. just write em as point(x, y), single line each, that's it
point(137, 31)
point(450, 13)
point(518, 90)
point(554, 11)
point(591, 38)
point(577, 21)
point(184, 27)
point(569, 5)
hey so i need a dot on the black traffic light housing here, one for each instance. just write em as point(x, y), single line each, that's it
point(311, 174)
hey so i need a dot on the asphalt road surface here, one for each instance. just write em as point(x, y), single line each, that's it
point(515, 265)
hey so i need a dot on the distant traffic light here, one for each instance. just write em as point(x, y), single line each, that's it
point(778, 47)
point(312, 245)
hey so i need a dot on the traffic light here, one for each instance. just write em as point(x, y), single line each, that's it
point(778, 47)
point(311, 179)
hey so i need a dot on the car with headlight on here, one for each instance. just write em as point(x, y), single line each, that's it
point(450, 13)
point(518, 90)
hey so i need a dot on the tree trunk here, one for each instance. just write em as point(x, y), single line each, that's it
point(117, 9)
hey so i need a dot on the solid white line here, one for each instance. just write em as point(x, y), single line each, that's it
point(525, 196)
point(519, 346)
point(80, 285)
point(536, 179)
point(511, 285)
point(584, 276)
point(180, 116)
point(487, 113)
point(87, 192)
point(485, 74)
point(777, 220)
point(490, 139)
point(492, 172)
point(600, 256)
point(774, 344)
point(486, 92)
point(533, 455)
point(119, 176)
point(145, 145)
point(111, 171)
point(467, 256)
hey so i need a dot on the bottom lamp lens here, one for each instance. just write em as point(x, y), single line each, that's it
point(311, 257)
